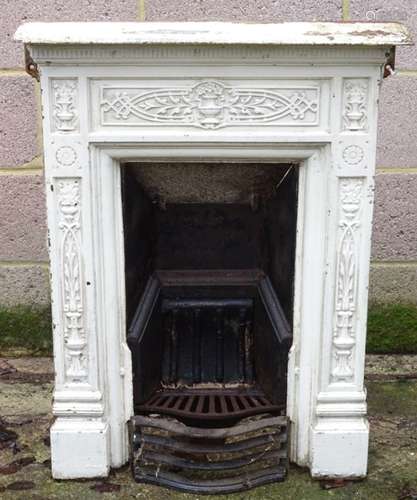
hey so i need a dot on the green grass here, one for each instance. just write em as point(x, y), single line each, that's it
point(25, 330)
point(392, 329)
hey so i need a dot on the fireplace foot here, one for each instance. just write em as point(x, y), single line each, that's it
point(86, 439)
point(169, 453)
point(340, 449)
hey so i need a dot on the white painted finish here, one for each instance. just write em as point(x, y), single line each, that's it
point(101, 111)
point(304, 33)
point(79, 448)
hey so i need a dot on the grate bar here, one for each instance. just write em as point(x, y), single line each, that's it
point(229, 405)
point(199, 407)
point(150, 457)
point(271, 440)
point(223, 404)
point(215, 486)
point(196, 432)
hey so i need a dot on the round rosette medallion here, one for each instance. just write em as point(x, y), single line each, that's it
point(353, 155)
point(66, 156)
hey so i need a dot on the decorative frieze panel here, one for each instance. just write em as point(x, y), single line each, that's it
point(355, 104)
point(208, 104)
point(344, 334)
point(64, 113)
point(68, 193)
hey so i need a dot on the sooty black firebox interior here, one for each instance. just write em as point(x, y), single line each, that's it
point(209, 266)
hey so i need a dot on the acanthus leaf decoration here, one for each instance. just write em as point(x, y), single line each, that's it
point(209, 104)
point(344, 335)
point(75, 342)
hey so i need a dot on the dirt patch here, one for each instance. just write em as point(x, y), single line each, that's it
point(24, 399)
point(27, 378)
point(26, 370)
point(6, 368)
point(16, 465)
point(32, 365)
point(20, 485)
point(105, 487)
point(395, 366)
point(7, 436)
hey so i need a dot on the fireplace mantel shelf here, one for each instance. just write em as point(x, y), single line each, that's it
point(215, 33)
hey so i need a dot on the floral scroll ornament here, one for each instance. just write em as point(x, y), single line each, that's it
point(210, 105)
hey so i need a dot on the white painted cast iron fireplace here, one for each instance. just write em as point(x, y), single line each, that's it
point(299, 95)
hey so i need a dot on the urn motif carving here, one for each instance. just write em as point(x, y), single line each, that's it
point(64, 110)
point(355, 109)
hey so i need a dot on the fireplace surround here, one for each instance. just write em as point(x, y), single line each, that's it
point(145, 104)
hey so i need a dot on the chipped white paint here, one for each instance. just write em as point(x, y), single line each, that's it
point(305, 33)
point(99, 104)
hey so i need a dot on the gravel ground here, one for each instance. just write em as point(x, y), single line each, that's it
point(25, 418)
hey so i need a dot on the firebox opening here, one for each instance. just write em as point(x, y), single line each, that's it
point(209, 266)
point(209, 263)
point(209, 256)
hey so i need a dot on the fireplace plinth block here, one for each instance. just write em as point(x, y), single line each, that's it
point(340, 449)
point(87, 440)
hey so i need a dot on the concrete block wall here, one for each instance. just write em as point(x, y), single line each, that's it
point(23, 256)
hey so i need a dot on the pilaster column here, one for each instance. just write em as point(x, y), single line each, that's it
point(80, 429)
point(340, 429)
